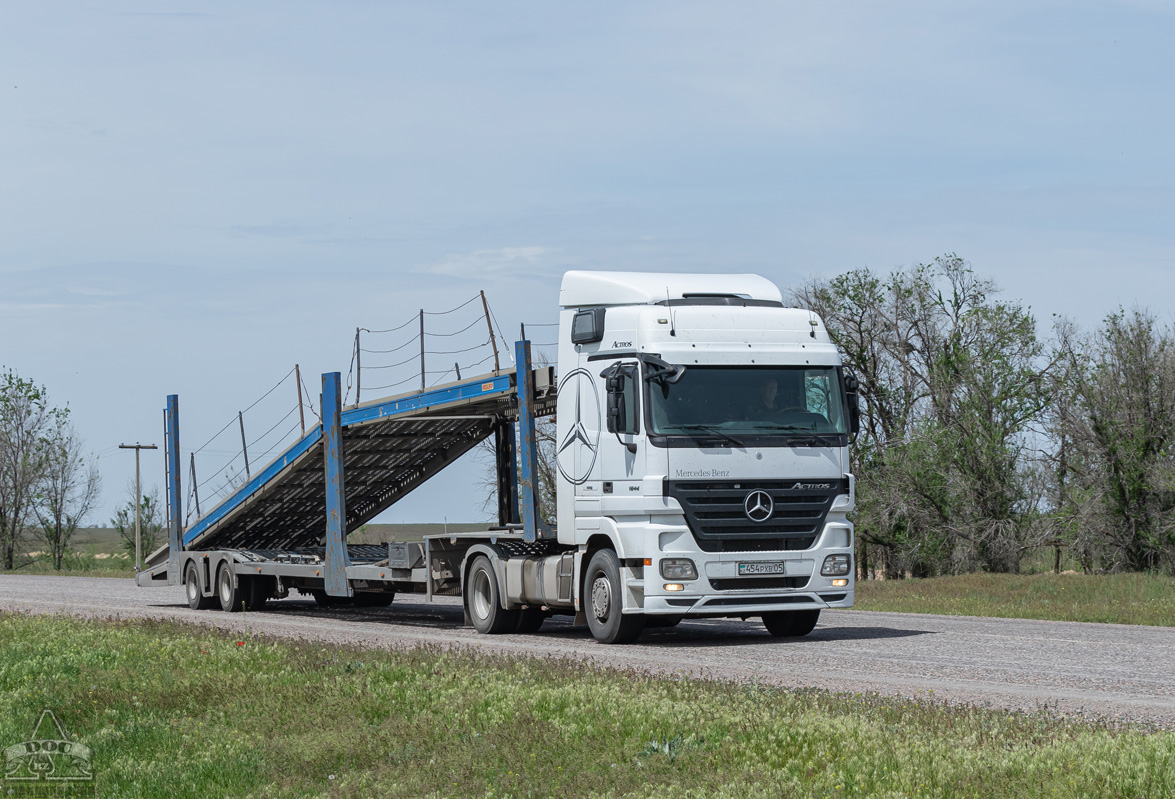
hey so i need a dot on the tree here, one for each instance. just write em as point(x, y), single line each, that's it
point(952, 380)
point(26, 423)
point(68, 489)
point(151, 522)
point(1116, 426)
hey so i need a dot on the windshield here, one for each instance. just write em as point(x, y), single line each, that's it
point(749, 401)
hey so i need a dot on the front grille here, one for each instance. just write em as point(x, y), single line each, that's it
point(757, 583)
point(716, 512)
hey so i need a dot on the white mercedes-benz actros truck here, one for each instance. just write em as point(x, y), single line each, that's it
point(703, 434)
point(701, 464)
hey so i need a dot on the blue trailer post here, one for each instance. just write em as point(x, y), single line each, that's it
point(337, 558)
point(533, 525)
point(175, 523)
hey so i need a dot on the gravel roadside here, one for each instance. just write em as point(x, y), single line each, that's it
point(1121, 673)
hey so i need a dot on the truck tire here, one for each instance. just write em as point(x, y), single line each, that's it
point(325, 600)
point(791, 623)
point(374, 599)
point(602, 602)
point(233, 593)
point(259, 590)
point(483, 601)
point(530, 620)
point(196, 599)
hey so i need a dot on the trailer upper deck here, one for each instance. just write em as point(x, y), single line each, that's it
point(390, 447)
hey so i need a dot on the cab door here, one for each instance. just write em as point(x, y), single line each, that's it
point(622, 453)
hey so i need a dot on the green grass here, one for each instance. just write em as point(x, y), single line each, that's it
point(176, 711)
point(1114, 598)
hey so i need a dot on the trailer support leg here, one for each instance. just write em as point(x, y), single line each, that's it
point(533, 525)
point(337, 557)
point(175, 521)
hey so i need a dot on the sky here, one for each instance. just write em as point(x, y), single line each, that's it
point(196, 196)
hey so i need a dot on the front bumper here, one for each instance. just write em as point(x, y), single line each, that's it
point(730, 603)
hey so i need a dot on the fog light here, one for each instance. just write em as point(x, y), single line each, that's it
point(678, 569)
point(835, 566)
point(674, 587)
point(840, 583)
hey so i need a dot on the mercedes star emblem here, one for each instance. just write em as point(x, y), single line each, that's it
point(759, 506)
point(576, 470)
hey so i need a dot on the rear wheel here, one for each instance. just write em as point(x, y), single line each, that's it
point(483, 602)
point(196, 599)
point(604, 605)
point(234, 594)
point(791, 623)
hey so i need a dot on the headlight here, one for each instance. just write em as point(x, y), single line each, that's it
point(678, 569)
point(836, 565)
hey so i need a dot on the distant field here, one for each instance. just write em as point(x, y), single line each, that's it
point(177, 711)
point(99, 551)
point(1114, 598)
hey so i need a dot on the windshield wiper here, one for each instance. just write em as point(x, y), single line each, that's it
point(806, 433)
point(713, 430)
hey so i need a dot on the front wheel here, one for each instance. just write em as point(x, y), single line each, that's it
point(604, 605)
point(791, 623)
point(483, 602)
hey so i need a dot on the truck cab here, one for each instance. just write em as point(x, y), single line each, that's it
point(702, 453)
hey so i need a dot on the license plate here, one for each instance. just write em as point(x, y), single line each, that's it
point(762, 567)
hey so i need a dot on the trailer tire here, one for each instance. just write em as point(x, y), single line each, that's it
point(374, 599)
point(259, 590)
point(603, 603)
point(196, 598)
point(483, 601)
point(530, 620)
point(325, 600)
point(232, 592)
point(791, 623)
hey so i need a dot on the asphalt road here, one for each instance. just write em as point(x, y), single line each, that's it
point(1118, 672)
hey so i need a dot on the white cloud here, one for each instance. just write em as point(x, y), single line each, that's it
point(503, 263)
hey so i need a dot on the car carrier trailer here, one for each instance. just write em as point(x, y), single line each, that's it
point(702, 435)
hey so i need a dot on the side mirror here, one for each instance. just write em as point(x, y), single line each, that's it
point(853, 397)
point(617, 413)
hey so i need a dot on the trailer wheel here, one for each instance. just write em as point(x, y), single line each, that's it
point(603, 602)
point(325, 600)
point(529, 621)
point(233, 593)
point(259, 591)
point(483, 602)
point(374, 599)
point(791, 623)
point(196, 599)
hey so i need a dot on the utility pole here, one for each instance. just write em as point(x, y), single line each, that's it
point(138, 502)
